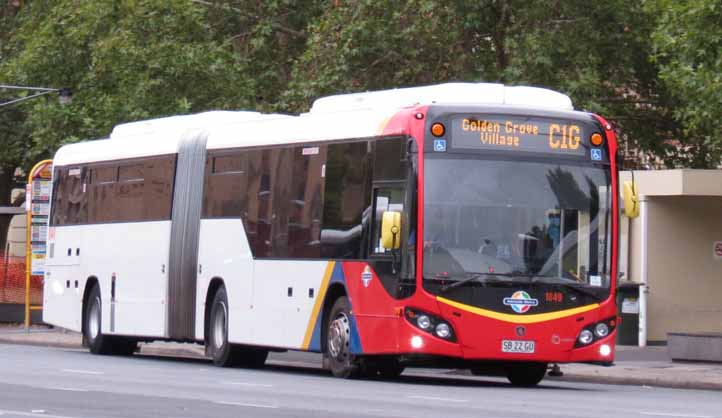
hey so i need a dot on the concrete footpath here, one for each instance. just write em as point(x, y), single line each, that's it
point(649, 366)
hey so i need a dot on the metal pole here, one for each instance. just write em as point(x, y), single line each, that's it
point(28, 245)
point(644, 218)
point(22, 99)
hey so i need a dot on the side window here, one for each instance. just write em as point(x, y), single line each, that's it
point(76, 197)
point(256, 218)
point(128, 193)
point(103, 180)
point(306, 202)
point(225, 186)
point(131, 191)
point(158, 197)
point(347, 196)
point(59, 204)
point(281, 179)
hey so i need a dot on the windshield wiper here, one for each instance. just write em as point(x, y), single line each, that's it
point(488, 278)
point(573, 286)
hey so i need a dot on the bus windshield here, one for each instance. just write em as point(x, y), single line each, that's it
point(517, 221)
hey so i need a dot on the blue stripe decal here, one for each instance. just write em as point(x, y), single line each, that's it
point(355, 344)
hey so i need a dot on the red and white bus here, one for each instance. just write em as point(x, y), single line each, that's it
point(456, 225)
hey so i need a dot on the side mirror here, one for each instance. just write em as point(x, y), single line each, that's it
point(391, 230)
point(631, 199)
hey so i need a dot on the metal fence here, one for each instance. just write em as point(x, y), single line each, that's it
point(12, 282)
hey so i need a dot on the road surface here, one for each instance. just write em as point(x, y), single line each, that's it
point(65, 383)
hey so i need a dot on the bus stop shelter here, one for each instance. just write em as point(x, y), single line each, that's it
point(673, 250)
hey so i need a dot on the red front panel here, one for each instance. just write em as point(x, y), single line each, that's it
point(383, 328)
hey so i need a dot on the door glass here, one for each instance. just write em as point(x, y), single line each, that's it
point(385, 199)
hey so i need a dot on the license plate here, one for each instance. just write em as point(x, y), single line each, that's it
point(517, 346)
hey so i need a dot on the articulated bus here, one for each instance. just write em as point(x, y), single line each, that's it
point(463, 225)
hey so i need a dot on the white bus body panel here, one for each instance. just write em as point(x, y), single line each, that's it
point(62, 302)
point(260, 310)
point(281, 320)
point(223, 252)
point(138, 255)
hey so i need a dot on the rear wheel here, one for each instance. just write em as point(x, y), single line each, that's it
point(223, 353)
point(220, 349)
point(526, 374)
point(337, 355)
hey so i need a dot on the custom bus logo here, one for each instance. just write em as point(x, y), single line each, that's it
point(520, 301)
point(366, 276)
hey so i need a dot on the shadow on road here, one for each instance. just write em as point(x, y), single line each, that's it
point(412, 377)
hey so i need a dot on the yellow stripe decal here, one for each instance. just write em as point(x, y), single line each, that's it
point(519, 319)
point(317, 305)
point(382, 126)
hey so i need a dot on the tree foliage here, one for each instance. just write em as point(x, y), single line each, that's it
point(688, 49)
point(652, 68)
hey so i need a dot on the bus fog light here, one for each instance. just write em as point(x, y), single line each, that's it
point(602, 330)
point(586, 337)
point(605, 350)
point(416, 341)
point(423, 322)
point(443, 330)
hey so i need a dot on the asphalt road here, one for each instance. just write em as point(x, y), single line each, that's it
point(64, 383)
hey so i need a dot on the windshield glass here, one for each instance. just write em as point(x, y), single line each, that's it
point(518, 220)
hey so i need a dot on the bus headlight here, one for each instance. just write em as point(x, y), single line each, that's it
point(601, 330)
point(443, 330)
point(423, 322)
point(595, 331)
point(431, 324)
point(585, 337)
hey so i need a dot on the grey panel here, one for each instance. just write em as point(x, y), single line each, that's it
point(183, 260)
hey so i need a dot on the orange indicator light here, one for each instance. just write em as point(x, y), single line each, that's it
point(596, 139)
point(438, 129)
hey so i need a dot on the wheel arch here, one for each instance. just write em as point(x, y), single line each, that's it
point(90, 282)
point(215, 284)
point(335, 291)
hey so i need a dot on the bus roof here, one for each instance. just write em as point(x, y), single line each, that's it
point(357, 115)
point(448, 93)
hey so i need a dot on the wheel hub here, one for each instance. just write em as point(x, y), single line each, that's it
point(94, 320)
point(219, 326)
point(338, 337)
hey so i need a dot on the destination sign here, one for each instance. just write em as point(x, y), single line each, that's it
point(520, 134)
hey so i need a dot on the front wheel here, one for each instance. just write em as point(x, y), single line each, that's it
point(526, 374)
point(338, 339)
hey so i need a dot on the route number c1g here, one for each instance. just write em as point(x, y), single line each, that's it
point(564, 136)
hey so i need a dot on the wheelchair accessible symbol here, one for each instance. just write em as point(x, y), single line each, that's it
point(440, 145)
point(596, 154)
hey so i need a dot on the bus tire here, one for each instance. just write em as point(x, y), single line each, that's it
point(96, 342)
point(221, 351)
point(337, 354)
point(526, 374)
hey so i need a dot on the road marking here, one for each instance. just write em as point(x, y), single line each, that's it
point(69, 389)
point(81, 371)
point(252, 405)
point(669, 414)
point(31, 414)
point(433, 398)
point(261, 385)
